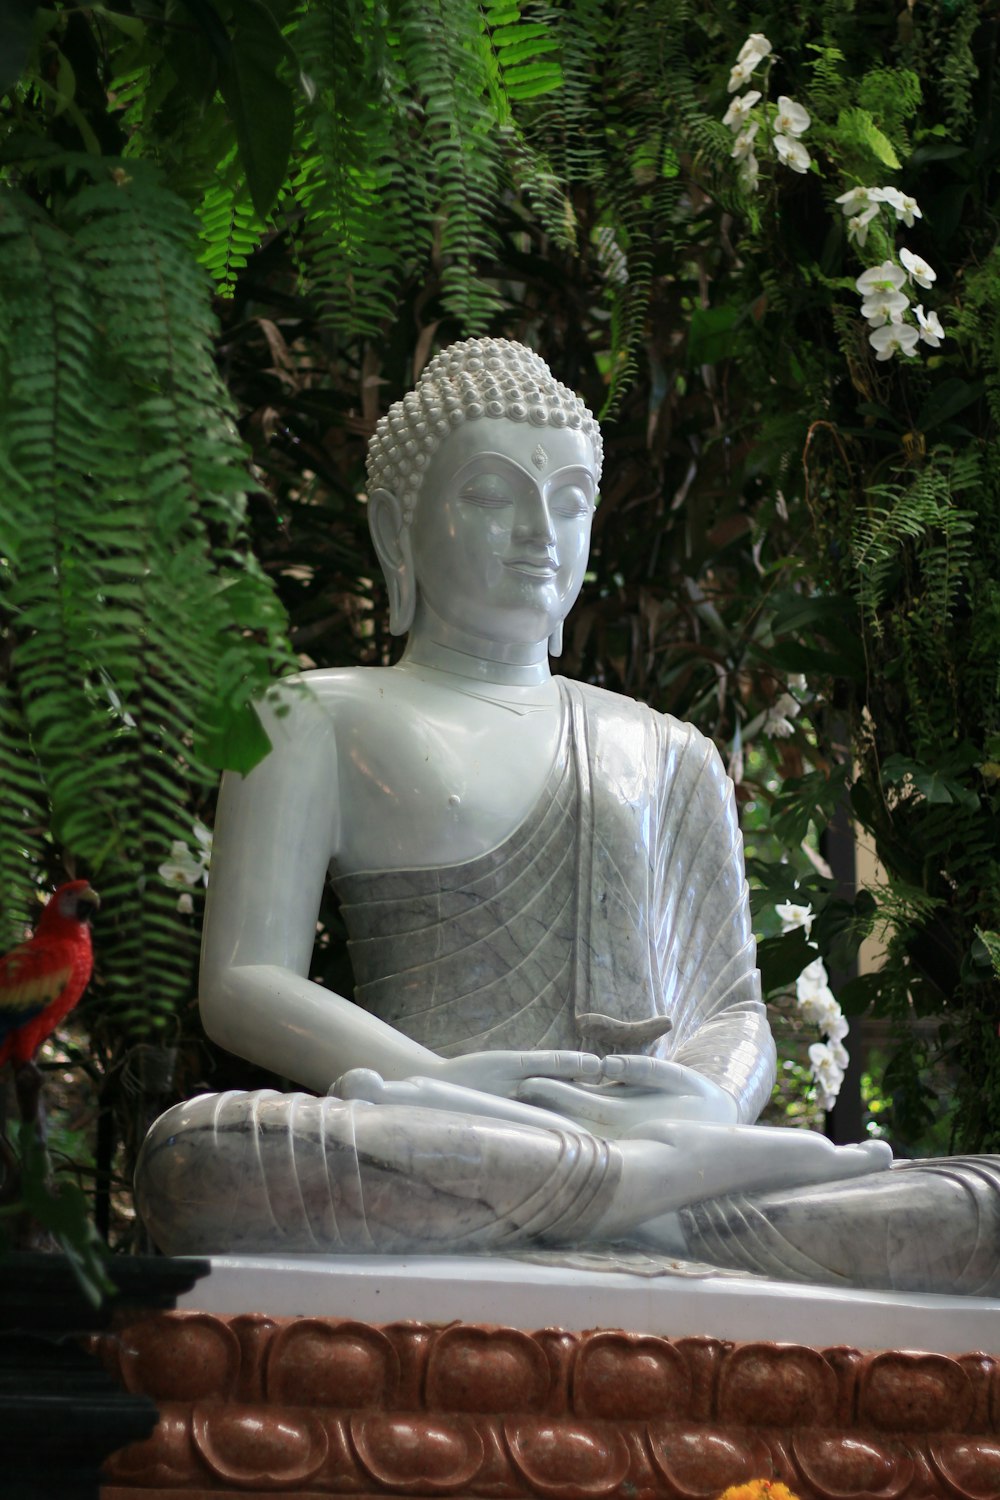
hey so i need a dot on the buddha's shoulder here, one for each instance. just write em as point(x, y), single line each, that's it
point(606, 704)
point(335, 695)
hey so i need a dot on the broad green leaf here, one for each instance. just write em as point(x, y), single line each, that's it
point(236, 741)
point(17, 18)
point(949, 398)
point(782, 959)
point(259, 102)
point(932, 782)
point(711, 334)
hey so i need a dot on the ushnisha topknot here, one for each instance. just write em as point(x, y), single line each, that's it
point(473, 379)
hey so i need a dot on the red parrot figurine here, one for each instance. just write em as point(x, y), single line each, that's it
point(42, 979)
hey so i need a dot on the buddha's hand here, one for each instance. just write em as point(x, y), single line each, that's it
point(633, 1095)
point(491, 1095)
point(504, 1073)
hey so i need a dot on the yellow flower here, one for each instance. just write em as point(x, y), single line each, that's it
point(758, 1489)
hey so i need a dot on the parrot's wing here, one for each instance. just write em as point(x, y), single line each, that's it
point(31, 977)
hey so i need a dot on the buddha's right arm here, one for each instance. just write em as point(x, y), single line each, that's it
point(276, 831)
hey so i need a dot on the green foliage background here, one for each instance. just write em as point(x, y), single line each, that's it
point(233, 231)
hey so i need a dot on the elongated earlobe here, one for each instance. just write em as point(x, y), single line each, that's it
point(556, 640)
point(391, 537)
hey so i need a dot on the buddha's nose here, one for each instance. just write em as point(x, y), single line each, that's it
point(534, 522)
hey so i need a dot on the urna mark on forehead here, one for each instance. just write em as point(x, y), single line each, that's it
point(468, 382)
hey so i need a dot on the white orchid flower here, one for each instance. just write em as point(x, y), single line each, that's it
point(182, 868)
point(825, 1068)
point(892, 196)
point(910, 211)
point(823, 1011)
point(742, 71)
point(885, 307)
point(857, 199)
point(778, 722)
point(793, 916)
point(857, 228)
point(930, 329)
point(836, 1027)
point(919, 270)
point(814, 976)
point(828, 1075)
point(792, 118)
point(743, 144)
point(749, 174)
point(739, 109)
point(904, 207)
point(792, 153)
point(894, 338)
point(757, 44)
point(839, 1053)
point(888, 277)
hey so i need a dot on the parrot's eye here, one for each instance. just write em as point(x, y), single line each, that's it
point(85, 904)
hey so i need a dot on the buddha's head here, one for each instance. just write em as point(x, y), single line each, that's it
point(493, 463)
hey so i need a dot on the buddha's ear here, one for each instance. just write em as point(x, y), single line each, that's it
point(395, 554)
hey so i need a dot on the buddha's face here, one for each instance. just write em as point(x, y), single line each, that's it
point(501, 532)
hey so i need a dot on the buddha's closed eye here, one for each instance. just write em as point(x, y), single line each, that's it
point(570, 500)
point(488, 491)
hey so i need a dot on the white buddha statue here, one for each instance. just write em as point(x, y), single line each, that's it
point(556, 1036)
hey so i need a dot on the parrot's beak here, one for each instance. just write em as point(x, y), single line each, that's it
point(87, 902)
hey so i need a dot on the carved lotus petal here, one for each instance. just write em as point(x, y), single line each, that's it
point(970, 1465)
point(915, 1393)
point(771, 1386)
point(258, 1445)
point(842, 1467)
point(162, 1460)
point(181, 1357)
point(699, 1461)
point(622, 1376)
point(316, 1363)
point(567, 1461)
point(474, 1369)
point(417, 1453)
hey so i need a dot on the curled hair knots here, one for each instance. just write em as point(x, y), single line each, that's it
point(478, 378)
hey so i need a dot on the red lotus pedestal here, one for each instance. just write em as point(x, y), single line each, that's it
point(314, 1406)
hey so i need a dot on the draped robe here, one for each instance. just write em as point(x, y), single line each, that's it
point(622, 893)
point(620, 899)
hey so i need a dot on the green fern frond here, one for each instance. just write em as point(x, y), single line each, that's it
point(522, 55)
point(126, 477)
point(924, 514)
point(230, 229)
point(959, 70)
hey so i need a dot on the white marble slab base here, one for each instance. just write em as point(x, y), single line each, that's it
point(521, 1294)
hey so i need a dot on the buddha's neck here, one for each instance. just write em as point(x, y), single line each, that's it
point(433, 643)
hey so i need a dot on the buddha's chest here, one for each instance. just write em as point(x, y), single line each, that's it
point(435, 783)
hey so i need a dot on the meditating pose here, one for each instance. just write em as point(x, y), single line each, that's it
point(556, 1036)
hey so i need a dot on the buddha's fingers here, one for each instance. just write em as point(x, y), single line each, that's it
point(656, 1073)
point(367, 1086)
point(501, 1072)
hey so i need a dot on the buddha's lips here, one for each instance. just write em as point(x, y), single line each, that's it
point(532, 566)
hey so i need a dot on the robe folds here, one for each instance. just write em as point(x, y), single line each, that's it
point(622, 894)
point(617, 907)
point(621, 897)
